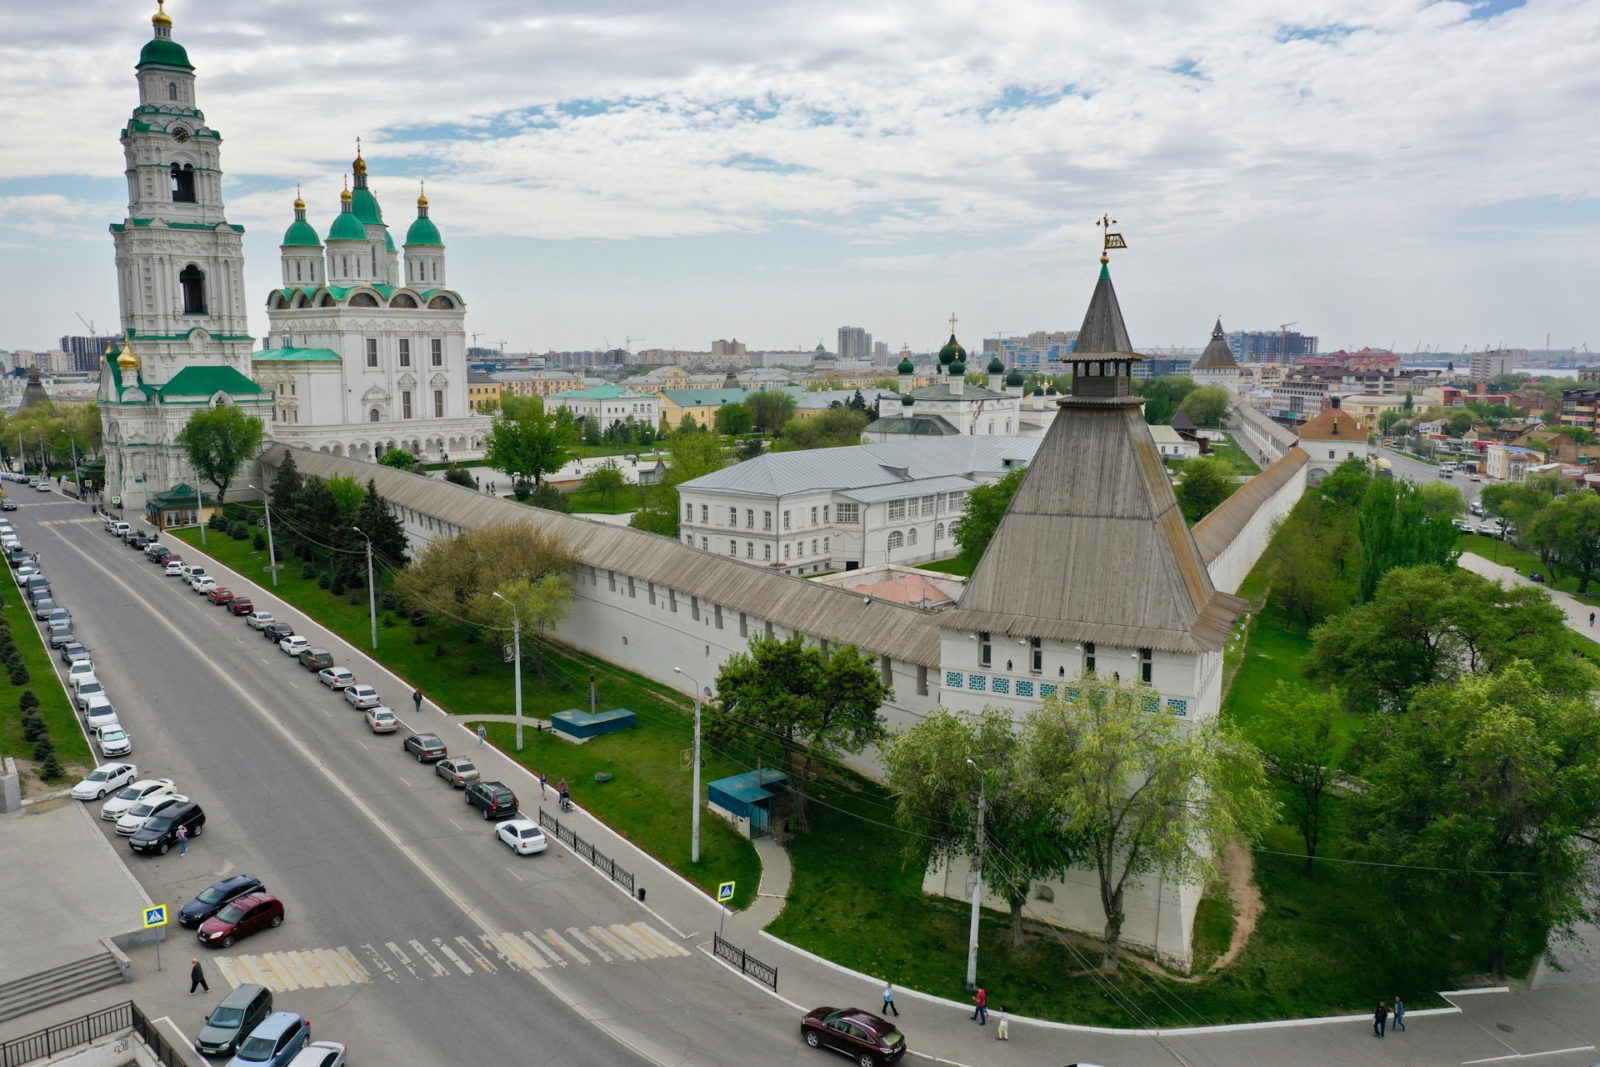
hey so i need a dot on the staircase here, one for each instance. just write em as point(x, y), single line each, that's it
point(58, 984)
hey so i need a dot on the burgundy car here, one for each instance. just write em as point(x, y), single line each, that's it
point(241, 605)
point(219, 595)
point(241, 918)
point(861, 1035)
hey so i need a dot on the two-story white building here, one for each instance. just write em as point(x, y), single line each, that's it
point(609, 405)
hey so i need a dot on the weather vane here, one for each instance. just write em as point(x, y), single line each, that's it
point(1112, 240)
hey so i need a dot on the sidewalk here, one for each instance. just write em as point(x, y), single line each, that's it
point(1577, 612)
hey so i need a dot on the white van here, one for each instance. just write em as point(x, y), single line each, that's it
point(120, 530)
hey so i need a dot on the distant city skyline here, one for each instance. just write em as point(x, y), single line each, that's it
point(1378, 174)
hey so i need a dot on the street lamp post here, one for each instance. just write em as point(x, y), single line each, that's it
point(272, 555)
point(200, 506)
point(516, 646)
point(977, 887)
point(694, 838)
point(372, 590)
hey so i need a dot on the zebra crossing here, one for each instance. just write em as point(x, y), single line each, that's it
point(446, 957)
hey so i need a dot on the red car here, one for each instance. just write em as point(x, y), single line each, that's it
point(241, 605)
point(219, 595)
point(861, 1035)
point(241, 918)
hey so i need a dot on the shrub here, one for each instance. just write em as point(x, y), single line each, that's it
point(323, 581)
point(239, 531)
point(260, 541)
point(29, 699)
point(217, 521)
point(472, 638)
point(44, 748)
point(549, 497)
point(419, 639)
point(387, 622)
point(388, 601)
point(33, 728)
point(419, 619)
point(50, 769)
point(308, 570)
point(20, 675)
point(440, 651)
point(473, 670)
point(334, 586)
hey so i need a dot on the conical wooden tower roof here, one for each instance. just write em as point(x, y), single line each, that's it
point(1217, 356)
point(1094, 546)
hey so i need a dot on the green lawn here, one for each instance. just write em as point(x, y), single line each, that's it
point(71, 748)
point(585, 502)
point(647, 799)
point(955, 565)
point(1235, 455)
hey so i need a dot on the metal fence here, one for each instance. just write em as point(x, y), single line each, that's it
point(601, 861)
point(43, 1044)
point(746, 963)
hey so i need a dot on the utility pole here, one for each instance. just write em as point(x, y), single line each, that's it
point(272, 555)
point(516, 644)
point(977, 887)
point(200, 506)
point(694, 838)
point(372, 592)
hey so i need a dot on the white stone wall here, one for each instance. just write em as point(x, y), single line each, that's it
point(1230, 568)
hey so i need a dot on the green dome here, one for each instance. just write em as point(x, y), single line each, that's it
point(1014, 379)
point(388, 240)
point(1038, 390)
point(1052, 390)
point(957, 369)
point(301, 234)
point(907, 367)
point(996, 367)
point(164, 52)
point(347, 228)
point(423, 232)
point(906, 400)
point(952, 351)
point(366, 205)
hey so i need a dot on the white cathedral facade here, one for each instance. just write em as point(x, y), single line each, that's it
point(360, 357)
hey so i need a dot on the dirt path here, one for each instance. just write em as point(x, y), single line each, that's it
point(1240, 868)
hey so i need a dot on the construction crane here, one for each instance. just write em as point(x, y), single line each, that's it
point(627, 343)
point(1283, 340)
point(92, 331)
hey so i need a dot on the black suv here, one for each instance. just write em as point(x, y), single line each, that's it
point(316, 659)
point(161, 832)
point(214, 896)
point(495, 799)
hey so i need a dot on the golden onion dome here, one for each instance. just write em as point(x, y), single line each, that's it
point(299, 204)
point(128, 361)
point(161, 18)
point(344, 197)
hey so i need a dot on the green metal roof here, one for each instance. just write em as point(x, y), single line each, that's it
point(161, 52)
point(347, 228)
point(204, 381)
point(142, 223)
point(296, 355)
point(423, 232)
point(388, 240)
point(703, 398)
point(301, 234)
point(601, 392)
point(366, 206)
point(180, 496)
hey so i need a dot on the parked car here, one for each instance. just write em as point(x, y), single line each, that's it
point(137, 793)
point(73, 651)
point(277, 631)
point(86, 690)
point(220, 594)
point(426, 747)
point(104, 779)
point(160, 833)
point(274, 1042)
point(156, 550)
point(60, 632)
point(241, 917)
point(114, 741)
point(173, 568)
point(458, 771)
point(258, 620)
point(7, 504)
point(316, 659)
point(99, 712)
point(133, 820)
point(861, 1035)
point(294, 644)
point(335, 677)
point(361, 697)
point(320, 1054)
point(211, 899)
point(203, 584)
point(523, 836)
point(494, 799)
point(138, 540)
point(80, 672)
point(241, 605)
point(240, 1012)
point(381, 720)
point(43, 607)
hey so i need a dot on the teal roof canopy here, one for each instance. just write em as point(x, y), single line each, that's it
point(164, 52)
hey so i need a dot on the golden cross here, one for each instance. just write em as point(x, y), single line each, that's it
point(952, 324)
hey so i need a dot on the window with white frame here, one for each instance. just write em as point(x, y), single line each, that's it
point(1146, 666)
point(749, 550)
point(786, 520)
point(688, 512)
point(786, 550)
point(927, 506)
point(849, 513)
point(733, 548)
point(438, 403)
point(405, 403)
point(437, 351)
point(938, 532)
point(766, 553)
point(733, 516)
point(813, 516)
point(985, 649)
point(372, 352)
point(896, 540)
point(705, 513)
point(897, 510)
point(405, 351)
point(825, 514)
point(766, 520)
point(1036, 655)
point(749, 518)
point(911, 536)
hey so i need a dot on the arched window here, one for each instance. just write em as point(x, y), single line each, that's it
point(896, 540)
point(183, 183)
point(372, 416)
point(363, 300)
point(193, 282)
point(402, 300)
point(911, 536)
point(326, 301)
point(172, 90)
point(938, 532)
point(441, 303)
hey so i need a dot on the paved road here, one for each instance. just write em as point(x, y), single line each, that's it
point(382, 868)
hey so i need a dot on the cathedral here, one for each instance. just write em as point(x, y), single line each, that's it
point(362, 356)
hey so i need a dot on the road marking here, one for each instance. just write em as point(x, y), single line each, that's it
point(439, 969)
point(587, 942)
point(405, 961)
point(613, 943)
point(1533, 1055)
point(471, 950)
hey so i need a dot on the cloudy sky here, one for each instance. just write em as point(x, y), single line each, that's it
point(1381, 172)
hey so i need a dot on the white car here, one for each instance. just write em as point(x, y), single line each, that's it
point(381, 719)
point(104, 779)
point(294, 644)
point(133, 820)
point(114, 741)
point(522, 835)
point(100, 713)
point(203, 584)
point(362, 697)
point(259, 619)
point(320, 1054)
point(173, 569)
point(86, 690)
point(81, 673)
point(147, 789)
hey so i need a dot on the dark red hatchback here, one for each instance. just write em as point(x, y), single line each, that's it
point(861, 1035)
point(241, 918)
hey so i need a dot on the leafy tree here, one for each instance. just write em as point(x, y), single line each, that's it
point(218, 440)
point(1162, 397)
point(1143, 790)
point(1347, 485)
point(347, 493)
point(734, 419)
point(315, 522)
point(808, 702)
point(399, 459)
point(981, 513)
point(1566, 531)
point(459, 475)
point(750, 447)
point(1429, 625)
point(1206, 481)
point(936, 798)
point(1483, 810)
point(1441, 499)
point(1459, 423)
point(1207, 405)
point(690, 455)
point(1302, 753)
point(834, 428)
point(528, 445)
point(687, 425)
point(770, 409)
point(1521, 501)
point(286, 488)
point(1397, 531)
point(549, 498)
point(605, 481)
point(1314, 559)
point(592, 433)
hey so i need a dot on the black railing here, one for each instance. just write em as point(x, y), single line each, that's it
point(43, 1044)
point(747, 964)
point(601, 861)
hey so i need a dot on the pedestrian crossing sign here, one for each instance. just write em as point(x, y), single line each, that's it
point(156, 916)
point(724, 892)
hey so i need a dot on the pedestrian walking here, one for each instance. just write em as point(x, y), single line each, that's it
point(544, 785)
point(1002, 1029)
point(416, 698)
point(1380, 1017)
point(183, 840)
point(564, 799)
point(1399, 1013)
point(980, 1010)
point(197, 977)
point(482, 731)
point(888, 999)
point(1591, 620)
